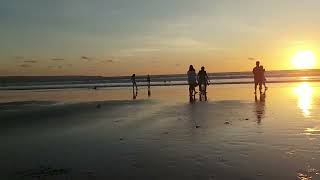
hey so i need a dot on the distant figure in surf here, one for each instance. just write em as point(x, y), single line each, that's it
point(134, 83)
point(203, 80)
point(149, 84)
point(148, 80)
point(257, 75)
point(263, 77)
point(192, 80)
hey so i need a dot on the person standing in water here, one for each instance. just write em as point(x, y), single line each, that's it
point(192, 81)
point(134, 83)
point(203, 80)
point(149, 84)
point(263, 77)
point(257, 75)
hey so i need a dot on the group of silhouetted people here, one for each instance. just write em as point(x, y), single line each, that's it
point(201, 79)
point(259, 77)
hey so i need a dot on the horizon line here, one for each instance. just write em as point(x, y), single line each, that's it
point(149, 74)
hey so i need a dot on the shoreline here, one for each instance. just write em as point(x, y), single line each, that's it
point(92, 86)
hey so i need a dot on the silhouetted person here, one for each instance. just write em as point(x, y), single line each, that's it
point(263, 77)
point(192, 81)
point(203, 80)
point(134, 83)
point(257, 74)
point(149, 85)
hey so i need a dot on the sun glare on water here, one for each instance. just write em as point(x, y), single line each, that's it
point(305, 97)
point(304, 60)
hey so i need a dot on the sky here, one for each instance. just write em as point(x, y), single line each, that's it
point(121, 37)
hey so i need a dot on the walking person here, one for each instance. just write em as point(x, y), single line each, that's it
point(149, 84)
point(192, 81)
point(257, 75)
point(203, 81)
point(134, 83)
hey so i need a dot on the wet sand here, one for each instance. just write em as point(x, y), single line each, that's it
point(105, 134)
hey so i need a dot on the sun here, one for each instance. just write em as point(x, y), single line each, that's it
point(304, 60)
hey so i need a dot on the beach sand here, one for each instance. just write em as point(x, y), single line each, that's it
point(105, 134)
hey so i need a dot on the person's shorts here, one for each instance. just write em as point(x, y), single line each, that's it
point(257, 82)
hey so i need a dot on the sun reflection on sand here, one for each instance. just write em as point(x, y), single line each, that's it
point(313, 131)
point(304, 92)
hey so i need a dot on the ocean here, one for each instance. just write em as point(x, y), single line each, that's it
point(63, 82)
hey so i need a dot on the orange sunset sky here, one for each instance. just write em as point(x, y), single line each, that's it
point(113, 37)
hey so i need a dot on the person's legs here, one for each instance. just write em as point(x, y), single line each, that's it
point(205, 88)
point(260, 87)
point(135, 84)
point(264, 84)
point(190, 90)
point(255, 86)
point(194, 89)
point(205, 92)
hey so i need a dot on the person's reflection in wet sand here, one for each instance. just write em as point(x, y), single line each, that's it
point(149, 92)
point(134, 94)
point(192, 111)
point(260, 106)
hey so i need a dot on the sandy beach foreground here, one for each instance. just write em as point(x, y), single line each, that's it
point(105, 134)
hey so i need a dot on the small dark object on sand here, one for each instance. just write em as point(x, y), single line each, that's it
point(227, 122)
point(247, 119)
point(121, 139)
point(197, 126)
point(98, 106)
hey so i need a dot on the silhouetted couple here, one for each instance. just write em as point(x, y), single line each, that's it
point(201, 79)
point(259, 77)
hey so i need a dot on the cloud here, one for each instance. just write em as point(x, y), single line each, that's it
point(25, 65)
point(30, 61)
point(57, 59)
point(109, 61)
point(86, 58)
point(251, 59)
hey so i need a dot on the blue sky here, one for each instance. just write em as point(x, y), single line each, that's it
point(119, 37)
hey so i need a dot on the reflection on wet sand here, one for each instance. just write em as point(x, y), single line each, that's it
point(315, 131)
point(260, 106)
point(304, 93)
point(134, 94)
point(149, 91)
